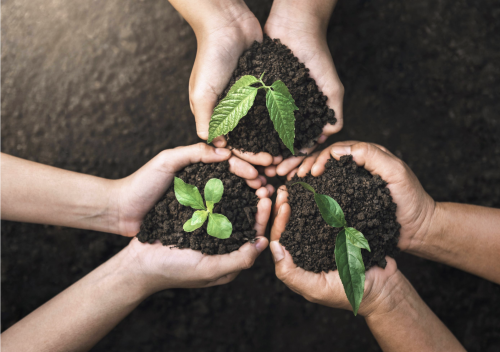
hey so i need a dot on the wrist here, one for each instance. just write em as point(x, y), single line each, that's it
point(431, 229)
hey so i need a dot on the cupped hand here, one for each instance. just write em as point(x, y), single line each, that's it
point(159, 267)
point(136, 194)
point(415, 208)
point(326, 288)
point(303, 30)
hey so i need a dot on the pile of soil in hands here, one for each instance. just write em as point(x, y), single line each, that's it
point(255, 132)
point(367, 206)
point(239, 204)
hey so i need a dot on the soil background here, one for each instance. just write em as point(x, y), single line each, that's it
point(101, 87)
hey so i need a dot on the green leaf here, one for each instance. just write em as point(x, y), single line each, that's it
point(230, 111)
point(280, 87)
point(306, 186)
point(330, 210)
point(244, 81)
point(219, 226)
point(214, 190)
point(357, 238)
point(281, 113)
point(351, 270)
point(188, 195)
point(196, 221)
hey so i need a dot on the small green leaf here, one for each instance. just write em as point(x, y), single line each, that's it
point(214, 190)
point(230, 111)
point(283, 89)
point(306, 186)
point(219, 226)
point(210, 206)
point(351, 270)
point(196, 221)
point(188, 195)
point(357, 238)
point(281, 113)
point(330, 210)
point(243, 82)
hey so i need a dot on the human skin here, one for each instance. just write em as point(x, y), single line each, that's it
point(80, 316)
point(33, 192)
point(463, 236)
point(225, 29)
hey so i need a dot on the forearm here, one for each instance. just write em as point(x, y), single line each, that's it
point(403, 322)
point(80, 316)
point(464, 236)
point(38, 193)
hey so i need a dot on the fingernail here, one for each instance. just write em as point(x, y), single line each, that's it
point(277, 251)
point(260, 245)
point(322, 139)
point(341, 149)
point(222, 151)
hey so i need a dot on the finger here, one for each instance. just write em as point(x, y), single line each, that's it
point(262, 216)
point(352, 142)
point(318, 167)
point(263, 180)
point(262, 192)
point(264, 159)
point(291, 163)
point(224, 279)
point(219, 142)
point(270, 188)
point(307, 164)
point(292, 173)
point(277, 159)
point(270, 171)
point(297, 279)
point(173, 160)
point(280, 221)
point(255, 183)
point(236, 261)
point(281, 198)
point(242, 169)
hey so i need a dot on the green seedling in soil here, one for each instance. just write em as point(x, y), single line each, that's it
point(240, 99)
point(218, 225)
point(347, 247)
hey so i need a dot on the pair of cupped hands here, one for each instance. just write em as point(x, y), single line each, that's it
point(155, 267)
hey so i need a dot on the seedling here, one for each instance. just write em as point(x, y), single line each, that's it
point(240, 99)
point(218, 225)
point(347, 248)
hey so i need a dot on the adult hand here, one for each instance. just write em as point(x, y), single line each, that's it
point(301, 25)
point(136, 194)
point(161, 267)
point(415, 208)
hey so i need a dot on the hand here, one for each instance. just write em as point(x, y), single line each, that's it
point(302, 27)
point(136, 194)
point(160, 267)
point(415, 208)
point(326, 288)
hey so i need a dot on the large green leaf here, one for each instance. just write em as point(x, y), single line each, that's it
point(281, 113)
point(306, 186)
point(196, 221)
point(351, 270)
point(243, 82)
point(214, 190)
point(230, 110)
point(357, 238)
point(219, 226)
point(280, 87)
point(188, 195)
point(330, 210)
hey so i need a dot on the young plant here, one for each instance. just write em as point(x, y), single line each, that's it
point(218, 225)
point(347, 248)
point(240, 99)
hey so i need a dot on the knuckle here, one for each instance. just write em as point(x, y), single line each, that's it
point(247, 263)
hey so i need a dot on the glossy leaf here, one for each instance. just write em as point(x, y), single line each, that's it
point(357, 238)
point(281, 112)
point(188, 195)
point(219, 226)
point(197, 220)
point(330, 210)
point(213, 190)
point(230, 111)
point(280, 87)
point(244, 81)
point(351, 270)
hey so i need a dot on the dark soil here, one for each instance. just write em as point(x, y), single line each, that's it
point(367, 206)
point(255, 132)
point(102, 87)
point(239, 204)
